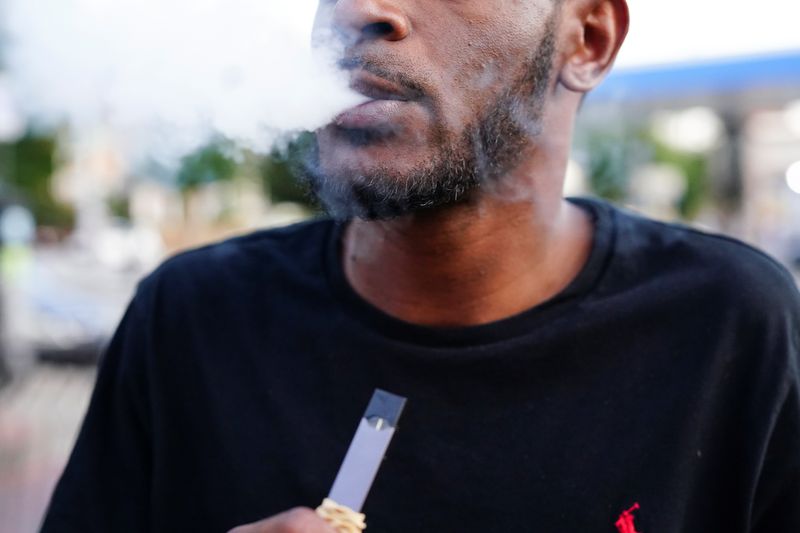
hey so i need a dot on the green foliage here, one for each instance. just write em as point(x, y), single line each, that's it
point(279, 181)
point(612, 156)
point(609, 164)
point(213, 162)
point(694, 167)
point(119, 206)
point(278, 172)
point(29, 173)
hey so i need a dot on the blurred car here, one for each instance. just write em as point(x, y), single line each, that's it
point(65, 328)
point(74, 303)
point(17, 231)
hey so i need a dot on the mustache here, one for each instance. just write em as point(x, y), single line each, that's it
point(414, 88)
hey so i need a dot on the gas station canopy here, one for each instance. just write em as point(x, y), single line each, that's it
point(756, 79)
point(703, 51)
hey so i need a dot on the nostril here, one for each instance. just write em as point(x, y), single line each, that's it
point(377, 30)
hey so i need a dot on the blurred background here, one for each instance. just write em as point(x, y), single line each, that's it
point(700, 123)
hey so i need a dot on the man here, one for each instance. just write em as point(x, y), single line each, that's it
point(568, 366)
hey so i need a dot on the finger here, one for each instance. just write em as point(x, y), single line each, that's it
point(299, 520)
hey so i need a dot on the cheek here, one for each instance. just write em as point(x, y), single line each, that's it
point(476, 63)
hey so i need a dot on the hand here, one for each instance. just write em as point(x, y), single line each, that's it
point(299, 520)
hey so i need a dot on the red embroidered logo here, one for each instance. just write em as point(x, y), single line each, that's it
point(625, 522)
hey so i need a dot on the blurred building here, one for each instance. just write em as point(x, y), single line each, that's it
point(715, 143)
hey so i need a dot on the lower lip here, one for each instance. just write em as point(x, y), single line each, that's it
point(372, 114)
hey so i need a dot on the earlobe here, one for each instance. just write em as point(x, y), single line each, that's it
point(595, 35)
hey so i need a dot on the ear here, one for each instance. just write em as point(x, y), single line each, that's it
point(593, 32)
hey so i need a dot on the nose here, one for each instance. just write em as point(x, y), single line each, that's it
point(370, 20)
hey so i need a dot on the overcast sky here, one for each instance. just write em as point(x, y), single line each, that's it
point(681, 30)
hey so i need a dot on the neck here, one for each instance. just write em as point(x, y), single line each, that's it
point(469, 264)
point(506, 251)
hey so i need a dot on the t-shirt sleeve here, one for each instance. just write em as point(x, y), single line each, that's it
point(777, 498)
point(778, 495)
point(105, 486)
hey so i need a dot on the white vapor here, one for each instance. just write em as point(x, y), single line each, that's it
point(171, 72)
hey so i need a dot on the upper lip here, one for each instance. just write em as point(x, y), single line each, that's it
point(378, 88)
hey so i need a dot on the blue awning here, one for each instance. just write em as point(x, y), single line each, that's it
point(735, 75)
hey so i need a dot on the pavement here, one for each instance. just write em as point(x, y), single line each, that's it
point(55, 303)
point(40, 414)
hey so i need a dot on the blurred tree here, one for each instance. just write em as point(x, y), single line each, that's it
point(211, 163)
point(279, 180)
point(119, 206)
point(694, 167)
point(29, 174)
point(278, 172)
point(610, 160)
point(613, 156)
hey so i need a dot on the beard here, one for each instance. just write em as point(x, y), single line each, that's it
point(487, 149)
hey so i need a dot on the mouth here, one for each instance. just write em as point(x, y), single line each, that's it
point(378, 88)
point(383, 107)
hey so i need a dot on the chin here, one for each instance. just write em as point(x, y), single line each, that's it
point(367, 162)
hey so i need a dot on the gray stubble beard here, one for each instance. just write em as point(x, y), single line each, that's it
point(486, 151)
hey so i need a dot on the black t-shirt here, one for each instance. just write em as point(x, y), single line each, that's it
point(665, 375)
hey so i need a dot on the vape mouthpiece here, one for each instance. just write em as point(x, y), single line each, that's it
point(361, 463)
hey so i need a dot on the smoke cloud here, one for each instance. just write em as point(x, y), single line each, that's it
point(171, 73)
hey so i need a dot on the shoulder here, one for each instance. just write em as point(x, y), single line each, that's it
point(254, 258)
point(715, 260)
point(690, 261)
point(702, 289)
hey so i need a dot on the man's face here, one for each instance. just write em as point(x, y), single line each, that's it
point(456, 90)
